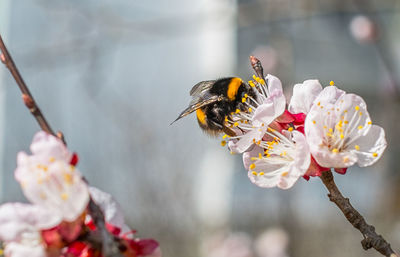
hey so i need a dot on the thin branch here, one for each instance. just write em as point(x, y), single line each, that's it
point(26, 94)
point(371, 238)
point(110, 247)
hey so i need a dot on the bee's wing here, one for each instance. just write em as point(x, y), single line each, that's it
point(201, 87)
point(199, 102)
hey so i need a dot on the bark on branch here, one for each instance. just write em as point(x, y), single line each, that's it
point(371, 238)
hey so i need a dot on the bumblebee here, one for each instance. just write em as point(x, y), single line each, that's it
point(215, 100)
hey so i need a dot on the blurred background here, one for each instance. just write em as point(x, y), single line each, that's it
point(113, 74)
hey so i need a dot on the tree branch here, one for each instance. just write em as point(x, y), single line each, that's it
point(109, 245)
point(371, 238)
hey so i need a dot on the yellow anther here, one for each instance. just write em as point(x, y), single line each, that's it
point(283, 153)
point(254, 158)
point(243, 100)
point(329, 113)
point(246, 95)
point(52, 159)
point(64, 196)
point(345, 159)
point(290, 129)
point(258, 142)
point(262, 81)
point(357, 108)
point(284, 174)
point(251, 83)
point(360, 113)
point(237, 111)
point(254, 140)
point(369, 122)
point(259, 155)
point(45, 168)
point(328, 134)
point(341, 136)
point(335, 150)
point(332, 83)
point(375, 154)
point(223, 143)
point(345, 111)
point(246, 122)
point(357, 147)
point(224, 136)
point(325, 127)
point(250, 109)
point(254, 77)
point(346, 122)
point(261, 173)
point(319, 103)
point(360, 127)
point(254, 173)
point(252, 166)
point(330, 130)
point(68, 178)
point(236, 124)
point(270, 129)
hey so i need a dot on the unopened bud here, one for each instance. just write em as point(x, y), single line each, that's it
point(28, 101)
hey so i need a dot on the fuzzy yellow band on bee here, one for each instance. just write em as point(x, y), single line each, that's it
point(233, 88)
point(201, 116)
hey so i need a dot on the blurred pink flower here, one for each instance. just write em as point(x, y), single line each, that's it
point(363, 29)
point(20, 228)
point(48, 179)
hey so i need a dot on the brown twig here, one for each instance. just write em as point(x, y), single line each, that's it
point(371, 238)
point(110, 247)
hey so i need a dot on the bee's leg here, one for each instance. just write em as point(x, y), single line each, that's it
point(228, 131)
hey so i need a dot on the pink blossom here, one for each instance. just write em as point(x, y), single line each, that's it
point(48, 179)
point(340, 132)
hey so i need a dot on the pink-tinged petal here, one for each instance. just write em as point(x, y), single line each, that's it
point(15, 249)
point(265, 172)
point(371, 146)
point(110, 207)
point(274, 85)
point(58, 187)
point(304, 95)
point(264, 114)
point(17, 219)
point(46, 146)
point(246, 141)
point(350, 105)
point(302, 158)
point(341, 171)
point(329, 94)
point(327, 158)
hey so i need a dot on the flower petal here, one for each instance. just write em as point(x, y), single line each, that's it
point(371, 146)
point(17, 219)
point(304, 95)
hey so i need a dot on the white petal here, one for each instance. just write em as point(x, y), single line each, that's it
point(373, 143)
point(274, 85)
point(304, 95)
point(15, 249)
point(264, 114)
point(329, 95)
point(17, 219)
point(59, 187)
point(45, 146)
point(111, 209)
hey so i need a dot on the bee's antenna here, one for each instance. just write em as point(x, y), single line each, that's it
point(257, 67)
